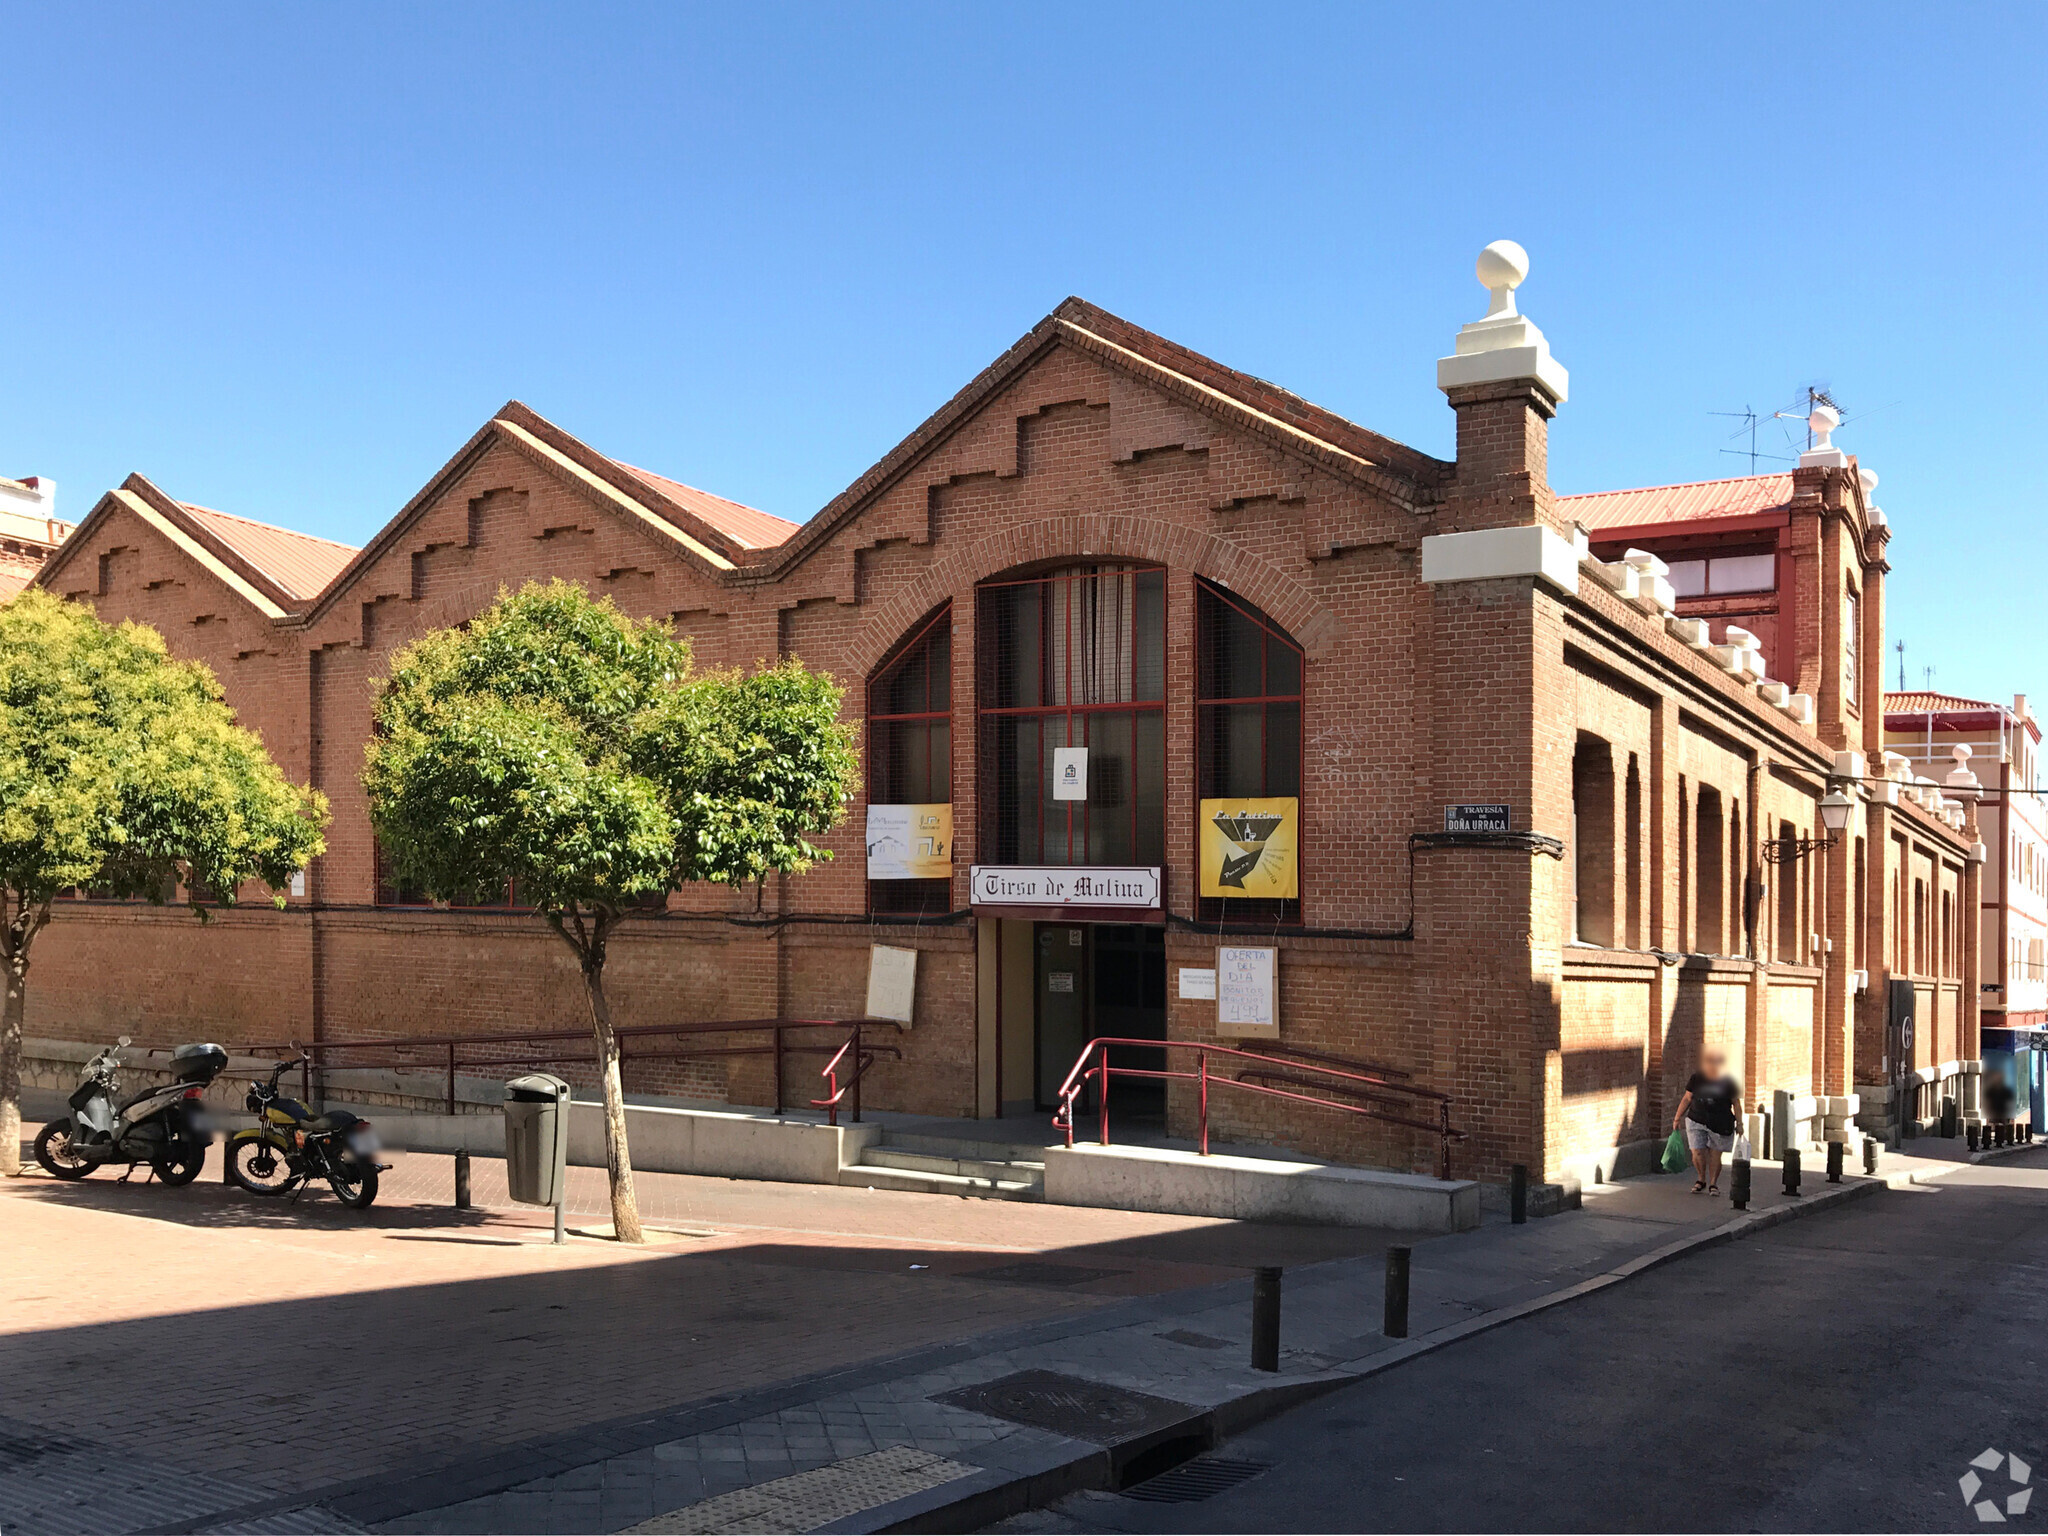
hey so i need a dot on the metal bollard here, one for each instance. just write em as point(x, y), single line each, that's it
point(1870, 1154)
point(1518, 1194)
point(1395, 1322)
point(1738, 1183)
point(1791, 1170)
point(462, 1181)
point(1973, 1137)
point(1266, 1318)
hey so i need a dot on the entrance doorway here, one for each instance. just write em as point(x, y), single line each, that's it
point(1095, 979)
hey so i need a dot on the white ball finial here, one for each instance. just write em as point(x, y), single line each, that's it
point(1502, 266)
point(1824, 419)
point(1868, 477)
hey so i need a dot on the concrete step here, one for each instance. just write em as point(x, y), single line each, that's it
point(969, 1147)
point(1019, 1171)
point(970, 1186)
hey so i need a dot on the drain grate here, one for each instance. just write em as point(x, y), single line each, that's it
point(1032, 1272)
point(1068, 1405)
point(1193, 1481)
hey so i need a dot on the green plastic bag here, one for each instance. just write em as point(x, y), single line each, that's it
point(1677, 1156)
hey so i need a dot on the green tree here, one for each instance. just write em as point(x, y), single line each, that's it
point(558, 745)
point(121, 771)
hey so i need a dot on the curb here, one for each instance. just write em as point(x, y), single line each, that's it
point(971, 1503)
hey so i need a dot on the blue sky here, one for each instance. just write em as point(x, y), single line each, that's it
point(285, 259)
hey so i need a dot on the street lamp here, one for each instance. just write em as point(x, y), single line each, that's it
point(1835, 809)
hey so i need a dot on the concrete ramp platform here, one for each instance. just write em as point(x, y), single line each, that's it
point(1183, 1183)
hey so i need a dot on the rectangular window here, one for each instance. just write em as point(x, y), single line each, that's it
point(1852, 646)
point(910, 749)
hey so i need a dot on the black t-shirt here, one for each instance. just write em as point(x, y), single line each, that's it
point(1713, 1102)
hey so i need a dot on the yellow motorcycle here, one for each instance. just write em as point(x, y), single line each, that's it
point(289, 1146)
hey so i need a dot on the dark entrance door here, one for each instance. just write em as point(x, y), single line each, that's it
point(1095, 980)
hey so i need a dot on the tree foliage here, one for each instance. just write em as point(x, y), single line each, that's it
point(122, 773)
point(556, 744)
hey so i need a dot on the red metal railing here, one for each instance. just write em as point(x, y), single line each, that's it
point(1352, 1087)
point(537, 1048)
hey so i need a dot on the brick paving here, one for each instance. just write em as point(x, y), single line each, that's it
point(288, 1348)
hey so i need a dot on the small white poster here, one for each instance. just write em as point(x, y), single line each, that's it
point(1070, 773)
point(1197, 982)
point(892, 983)
point(1247, 992)
point(1059, 981)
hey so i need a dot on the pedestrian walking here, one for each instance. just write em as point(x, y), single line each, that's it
point(1708, 1113)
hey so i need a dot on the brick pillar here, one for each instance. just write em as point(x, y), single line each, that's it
point(1503, 456)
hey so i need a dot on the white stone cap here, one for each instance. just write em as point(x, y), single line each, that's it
point(1503, 344)
point(1646, 562)
point(1896, 764)
point(1962, 783)
point(1824, 453)
point(1742, 639)
point(1849, 765)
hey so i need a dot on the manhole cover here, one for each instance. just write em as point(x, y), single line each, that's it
point(1033, 1273)
point(1067, 1405)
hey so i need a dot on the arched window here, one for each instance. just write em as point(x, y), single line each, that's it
point(1073, 658)
point(1248, 728)
point(910, 747)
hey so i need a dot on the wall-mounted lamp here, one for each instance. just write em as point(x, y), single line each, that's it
point(1835, 810)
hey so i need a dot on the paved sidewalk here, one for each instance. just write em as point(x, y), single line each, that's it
point(1189, 1348)
point(782, 1369)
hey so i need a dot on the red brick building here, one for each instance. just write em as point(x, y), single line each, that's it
point(1221, 590)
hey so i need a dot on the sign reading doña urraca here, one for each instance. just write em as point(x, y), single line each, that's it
point(1076, 885)
point(1476, 818)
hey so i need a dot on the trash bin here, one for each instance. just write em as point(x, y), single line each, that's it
point(536, 1138)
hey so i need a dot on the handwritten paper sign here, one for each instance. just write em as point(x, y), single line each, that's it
point(1247, 992)
point(892, 983)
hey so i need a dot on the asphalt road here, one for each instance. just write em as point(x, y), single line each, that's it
point(1834, 1373)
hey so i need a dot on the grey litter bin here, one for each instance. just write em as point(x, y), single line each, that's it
point(536, 1138)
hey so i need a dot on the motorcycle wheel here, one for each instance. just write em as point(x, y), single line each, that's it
point(354, 1183)
point(54, 1152)
point(183, 1165)
point(259, 1166)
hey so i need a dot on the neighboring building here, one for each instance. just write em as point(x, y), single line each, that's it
point(2004, 742)
point(1519, 810)
point(29, 530)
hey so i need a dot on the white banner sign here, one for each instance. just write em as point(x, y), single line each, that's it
point(1247, 997)
point(1066, 885)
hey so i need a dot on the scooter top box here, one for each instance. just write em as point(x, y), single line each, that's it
point(198, 1063)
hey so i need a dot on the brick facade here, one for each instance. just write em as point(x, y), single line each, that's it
point(1091, 441)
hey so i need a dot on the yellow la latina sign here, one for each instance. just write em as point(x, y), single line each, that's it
point(1252, 848)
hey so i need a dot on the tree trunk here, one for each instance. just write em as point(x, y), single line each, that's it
point(14, 972)
point(618, 1160)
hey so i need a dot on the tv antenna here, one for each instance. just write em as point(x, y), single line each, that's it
point(1901, 649)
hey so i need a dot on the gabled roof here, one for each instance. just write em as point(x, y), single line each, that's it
point(1695, 501)
point(745, 525)
point(299, 565)
point(1919, 702)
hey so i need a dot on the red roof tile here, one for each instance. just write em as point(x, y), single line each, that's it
point(1696, 501)
point(296, 563)
point(748, 526)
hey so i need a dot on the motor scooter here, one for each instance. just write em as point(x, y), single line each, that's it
point(164, 1126)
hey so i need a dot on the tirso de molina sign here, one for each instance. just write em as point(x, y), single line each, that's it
point(1133, 889)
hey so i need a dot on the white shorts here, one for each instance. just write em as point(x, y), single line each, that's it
point(1700, 1139)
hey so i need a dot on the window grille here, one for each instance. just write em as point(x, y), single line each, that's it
point(1248, 721)
point(910, 748)
point(1076, 657)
